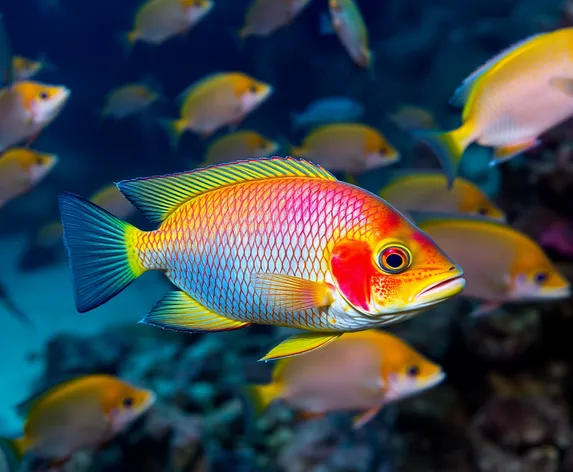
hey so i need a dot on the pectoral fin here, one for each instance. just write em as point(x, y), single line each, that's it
point(504, 153)
point(300, 344)
point(179, 312)
point(291, 293)
point(364, 417)
point(563, 84)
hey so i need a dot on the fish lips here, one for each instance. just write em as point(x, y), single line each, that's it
point(440, 291)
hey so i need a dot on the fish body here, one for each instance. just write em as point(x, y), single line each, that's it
point(511, 100)
point(80, 414)
point(216, 101)
point(427, 191)
point(267, 241)
point(112, 200)
point(328, 110)
point(128, 100)
point(158, 20)
point(500, 264)
point(349, 25)
point(361, 371)
point(412, 118)
point(348, 147)
point(239, 145)
point(24, 68)
point(26, 108)
point(21, 169)
point(264, 17)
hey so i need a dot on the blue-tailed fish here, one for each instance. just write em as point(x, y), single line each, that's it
point(420, 190)
point(239, 145)
point(360, 372)
point(328, 110)
point(264, 17)
point(274, 241)
point(501, 265)
point(79, 414)
point(511, 100)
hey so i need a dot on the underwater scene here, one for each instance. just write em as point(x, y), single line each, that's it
point(286, 236)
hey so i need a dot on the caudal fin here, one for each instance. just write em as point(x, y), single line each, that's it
point(258, 398)
point(448, 147)
point(100, 248)
point(11, 454)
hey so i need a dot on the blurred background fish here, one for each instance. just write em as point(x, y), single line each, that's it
point(239, 145)
point(128, 99)
point(328, 110)
point(24, 68)
point(264, 17)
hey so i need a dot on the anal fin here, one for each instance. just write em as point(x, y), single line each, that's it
point(300, 344)
point(504, 153)
point(179, 312)
point(362, 418)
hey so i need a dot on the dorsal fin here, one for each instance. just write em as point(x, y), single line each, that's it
point(157, 197)
point(462, 93)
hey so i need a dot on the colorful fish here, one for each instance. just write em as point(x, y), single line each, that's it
point(128, 100)
point(264, 17)
point(239, 145)
point(26, 108)
point(328, 110)
point(75, 415)
point(349, 25)
point(217, 100)
point(24, 68)
point(347, 147)
point(362, 371)
point(275, 241)
point(21, 169)
point(511, 100)
point(501, 265)
point(426, 191)
point(159, 20)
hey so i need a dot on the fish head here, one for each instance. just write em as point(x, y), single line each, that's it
point(38, 165)
point(475, 202)
point(44, 102)
point(261, 146)
point(534, 277)
point(196, 9)
point(126, 403)
point(254, 94)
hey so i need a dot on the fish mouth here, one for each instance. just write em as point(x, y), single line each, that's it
point(440, 291)
point(556, 294)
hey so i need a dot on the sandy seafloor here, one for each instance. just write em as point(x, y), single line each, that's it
point(46, 296)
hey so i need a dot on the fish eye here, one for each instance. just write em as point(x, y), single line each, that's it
point(254, 88)
point(39, 161)
point(128, 402)
point(413, 371)
point(540, 278)
point(44, 95)
point(482, 211)
point(394, 259)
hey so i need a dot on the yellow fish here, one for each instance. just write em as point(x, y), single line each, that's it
point(79, 414)
point(412, 118)
point(349, 25)
point(418, 190)
point(26, 108)
point(128, 100)
point(218, 100)
point(239, 145)
point(158, 20)
point(268, 241)
point(501, 265)
point(266, 16)
point(21, 169)
point(24, 68)
point(361, 371)
point(511, 100)
point(347, 147)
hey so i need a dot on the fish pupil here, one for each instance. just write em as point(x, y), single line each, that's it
point(482, 211)
point(540, 277)
point(128, 402)
point(43, 95)
point(394, 260)
point(413, 371)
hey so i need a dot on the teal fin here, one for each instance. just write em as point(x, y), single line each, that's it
point(98, 248)
point(11, 456)
point(505, 153)
point(300, 344)
point(157, 197)
point(178, 311)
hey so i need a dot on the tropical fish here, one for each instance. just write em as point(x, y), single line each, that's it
point(349, 25)
point(239, 145)
point(21, 169)
point(501, 265)
point(274, 241)
point(412, 118)
point(426, 191)
point(217, 100)
point(128, 100)
point(362, 371)
point(26, 108)
point(347, 147)
point(328, 110)
point(79, 414)
point(112, 200)
point(159, 20)
point(511, 100)
point(12, 307)
point(264, 17)
point(24, 68)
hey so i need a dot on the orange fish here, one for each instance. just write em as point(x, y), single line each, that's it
point(264, 17)
point(83, 413)
point(239, 145)
point(128, 100)
point(26, 108)
point(361, 371)
point(268, 241)
point(217, 100)
point(21, 169)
